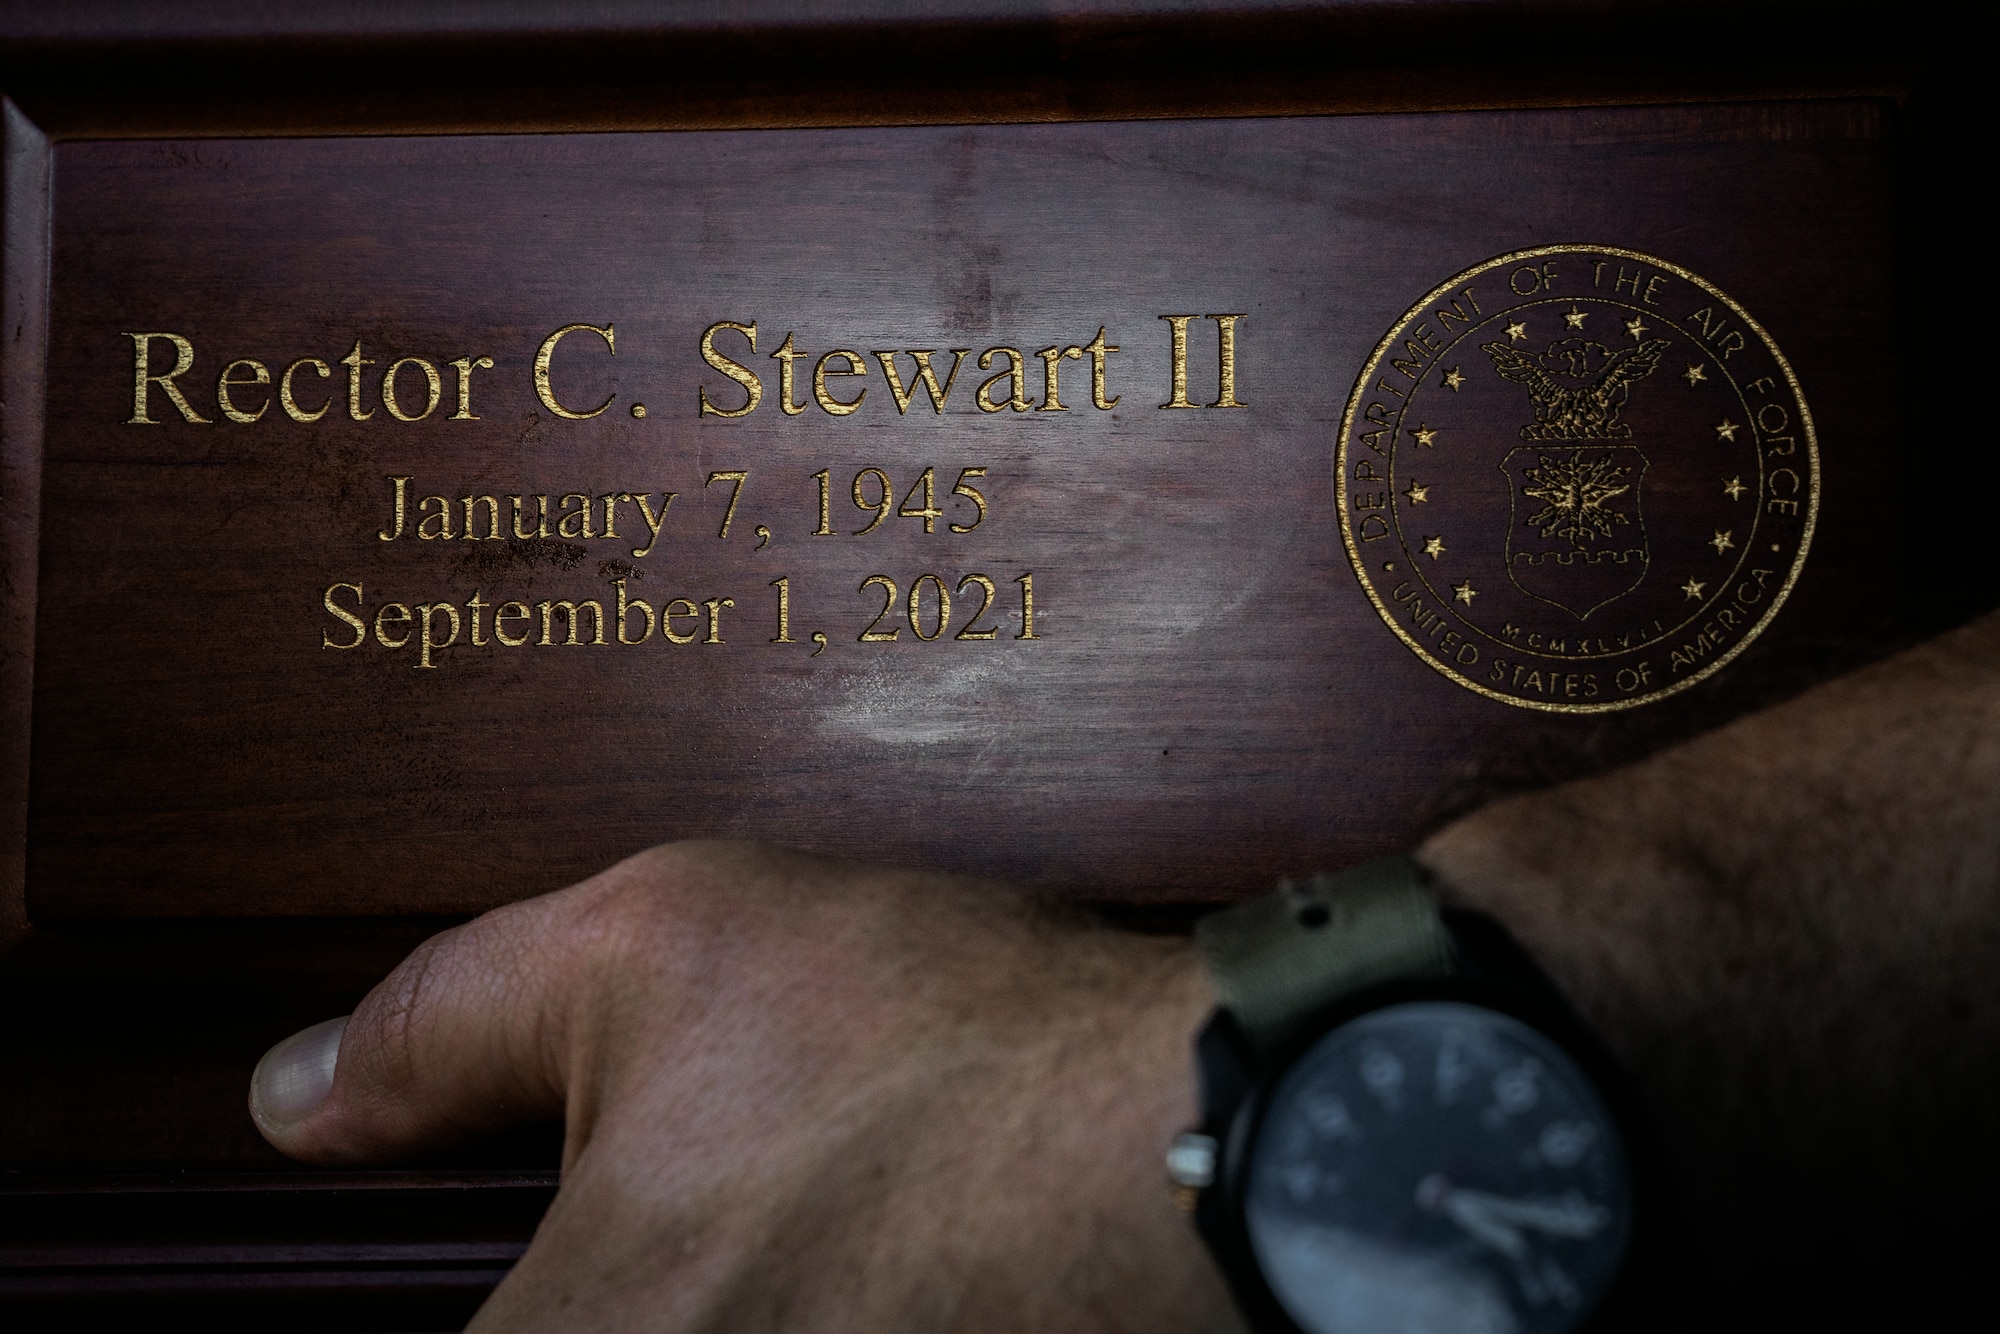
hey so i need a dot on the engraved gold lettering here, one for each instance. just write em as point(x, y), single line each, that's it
point(442, 519)
point(916, 607)
point(643, 500)
point(465, 366)
point(259, 374)
point(735, 370)
point(1539, 279)
point(889, 592)
point(925, 376)
point(827, 402)
point(1446, 314)
point(572, 612)
point(1179, 398)
point(1782, 494)
point(626, 606)
point(541, 523)
point(1027, 583)
point(354, 623)
point(546, 353)
point(512, 611)
point(668, 616)
point(391, 613)
point(398, 498)
point(1099, 350)
point(784, 587)
point(785, 356)
point(433, 389)
point(715, 606)
point(881, 507)
point(825, 528)
point(1225, 372)
point(929, 513)
point(143, 378)
point(1418, 349)
point(354, 361)
point(476, 604)
point(736, 480)
point(426, 641)
point(1716, 330)
point(573, 520)
point(972, 494)
point(1051, 385)
point(1016, 376)
point(493, 533)
point(291, 404)
point(989, 592)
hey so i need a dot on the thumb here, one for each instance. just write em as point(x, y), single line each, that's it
point(468, 1035)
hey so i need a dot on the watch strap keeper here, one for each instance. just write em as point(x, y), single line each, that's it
point(1279, 960)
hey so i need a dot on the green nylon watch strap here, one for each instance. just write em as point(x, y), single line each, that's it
point(1279, 960)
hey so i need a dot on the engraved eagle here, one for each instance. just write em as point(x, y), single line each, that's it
point(1578, 386)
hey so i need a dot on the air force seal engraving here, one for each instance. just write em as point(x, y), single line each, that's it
point(1577, 478)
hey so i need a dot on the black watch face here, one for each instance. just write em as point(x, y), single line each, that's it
point(1437, 1167)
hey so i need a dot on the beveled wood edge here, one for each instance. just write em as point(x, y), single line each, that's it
point(289, 70)
point(24, 302)
point(66, 117)
point(27, 1184)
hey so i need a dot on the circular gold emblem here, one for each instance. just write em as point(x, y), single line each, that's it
point(1577, 478)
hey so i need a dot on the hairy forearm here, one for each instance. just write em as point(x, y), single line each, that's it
point(1789, 929)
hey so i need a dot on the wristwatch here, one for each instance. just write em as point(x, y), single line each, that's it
point(1404, 1125)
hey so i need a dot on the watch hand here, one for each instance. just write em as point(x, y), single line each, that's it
point(1571, 1216)
point(1466, 1209)
point(1497, 1220)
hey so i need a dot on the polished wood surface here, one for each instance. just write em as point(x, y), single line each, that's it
point(1210, 701)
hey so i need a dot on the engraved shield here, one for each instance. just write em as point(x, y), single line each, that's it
point(1578, 537)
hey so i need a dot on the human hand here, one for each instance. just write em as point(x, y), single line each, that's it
point(799, 1094)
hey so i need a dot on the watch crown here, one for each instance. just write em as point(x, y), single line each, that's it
point(1191, 1161)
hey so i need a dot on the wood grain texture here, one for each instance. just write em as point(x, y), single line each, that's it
point(1213, 702)
point(25, 165)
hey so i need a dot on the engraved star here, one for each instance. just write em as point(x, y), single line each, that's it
point(1726, 430)
point(1694, 375)
point(1425, 436)
point(1434, 547)
point(1734, 488)
point(1452, 379)
point(1517, 331)
point(1464, 591)
point(1693, 589)
point(1574, 318)
point(1417, 493)
point(1635, 328)
point(1722, 541)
